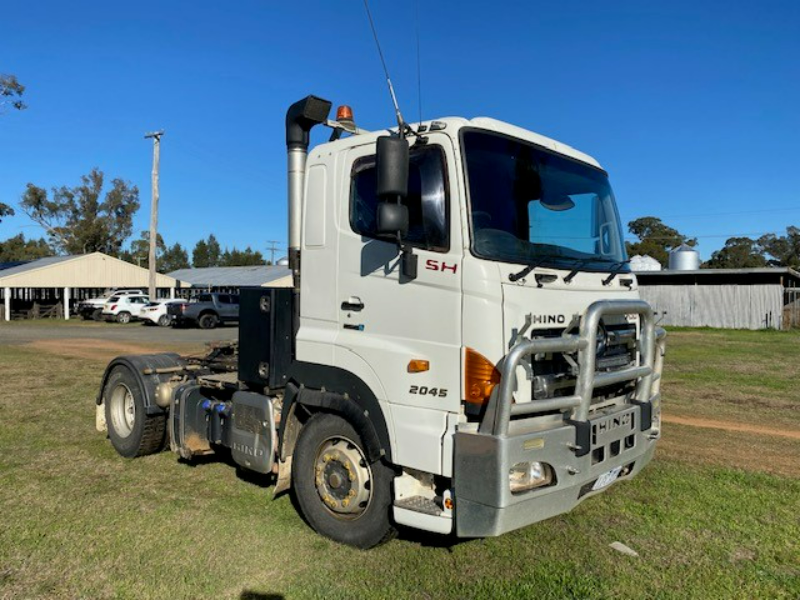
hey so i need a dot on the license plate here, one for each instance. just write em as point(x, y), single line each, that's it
point(606, 479)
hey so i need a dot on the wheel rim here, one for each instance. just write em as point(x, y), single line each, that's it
point(343, 478)
point(163, 320)
point(124, 317)
point(122, 409)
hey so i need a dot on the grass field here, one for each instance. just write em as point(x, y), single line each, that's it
point(716, 515)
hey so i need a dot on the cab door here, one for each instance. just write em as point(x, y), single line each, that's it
point(404, 333)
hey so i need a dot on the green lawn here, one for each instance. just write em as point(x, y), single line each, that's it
point(78, 521)
point(745, 376)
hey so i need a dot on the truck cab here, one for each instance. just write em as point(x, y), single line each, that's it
point(516, 237)
point(464, 350)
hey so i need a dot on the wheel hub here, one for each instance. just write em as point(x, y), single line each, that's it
point(342, 477)
point(123, 410)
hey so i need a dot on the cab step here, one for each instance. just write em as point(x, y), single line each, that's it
point(420, 504)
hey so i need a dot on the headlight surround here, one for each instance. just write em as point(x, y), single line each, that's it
point(525, 476)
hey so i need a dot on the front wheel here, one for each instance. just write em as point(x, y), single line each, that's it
point(131, 430)
point(341, 495)
point(208, 321)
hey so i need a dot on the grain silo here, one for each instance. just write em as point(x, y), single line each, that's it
point(684, 258)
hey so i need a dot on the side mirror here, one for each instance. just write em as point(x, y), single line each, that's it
point(392, 167)
point(392, 219)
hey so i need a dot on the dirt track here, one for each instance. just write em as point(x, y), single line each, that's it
point(729, 426)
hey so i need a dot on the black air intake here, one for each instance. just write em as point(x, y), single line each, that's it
point(301, 118)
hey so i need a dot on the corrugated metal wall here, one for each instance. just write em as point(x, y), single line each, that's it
point(723, 306)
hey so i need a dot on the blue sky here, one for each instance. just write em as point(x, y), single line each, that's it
point(692, 107)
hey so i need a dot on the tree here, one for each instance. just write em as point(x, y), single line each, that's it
point(655, 239)
point(738, 253)
point(241, 258)
point(206, 253)
point(5, 211)
point(139, 252)
point(11, 91)
point(173, 258)
point(18, 248)
point(75, 219)
point(784, 249)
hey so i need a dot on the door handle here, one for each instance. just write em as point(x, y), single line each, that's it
point(353, 303)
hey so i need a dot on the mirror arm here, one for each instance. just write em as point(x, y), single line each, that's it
point(408, 260)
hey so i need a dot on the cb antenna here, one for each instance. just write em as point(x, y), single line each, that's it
point(401, 124)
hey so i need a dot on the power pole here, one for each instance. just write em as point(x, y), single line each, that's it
point(272, 249)
point(156, 135)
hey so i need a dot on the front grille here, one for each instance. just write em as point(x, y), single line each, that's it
point(555, 376)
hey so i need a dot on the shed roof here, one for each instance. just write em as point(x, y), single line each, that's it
point(94, 270)
point(769, 275)
point(259, 275)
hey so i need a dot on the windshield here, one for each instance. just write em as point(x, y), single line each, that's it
point(531, 206)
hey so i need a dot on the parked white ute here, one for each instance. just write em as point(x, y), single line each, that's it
point(156, 312)
point(123, 309)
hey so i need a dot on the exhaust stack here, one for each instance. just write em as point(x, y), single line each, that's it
point(301, 117)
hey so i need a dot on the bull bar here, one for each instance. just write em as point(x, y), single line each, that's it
point(485, 504)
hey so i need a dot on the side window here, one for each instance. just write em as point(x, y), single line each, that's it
point(234, 299)
point(427, 201)
point(204, 298)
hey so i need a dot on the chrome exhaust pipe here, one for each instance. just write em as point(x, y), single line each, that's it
point(301, 117)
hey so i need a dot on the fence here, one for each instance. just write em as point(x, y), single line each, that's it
point(727, 306)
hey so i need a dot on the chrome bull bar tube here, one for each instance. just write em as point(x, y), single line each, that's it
point(500, 408)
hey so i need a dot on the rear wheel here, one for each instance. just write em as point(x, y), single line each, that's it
point(164, 320)
point(208, 321)
point(341, 495)
point(124, 317)
point(131, 430)
point(97, 314)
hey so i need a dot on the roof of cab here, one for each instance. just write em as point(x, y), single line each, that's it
point(455, 124)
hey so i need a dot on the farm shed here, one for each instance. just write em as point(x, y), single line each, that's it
point(47, 285)
point(232, 279)
point(766, 298)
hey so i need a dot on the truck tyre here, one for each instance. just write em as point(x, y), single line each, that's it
point(207, 321)
point(164, 321)
point(97, 314)
point(131, 430)
point(340, 494)
point(124, 317)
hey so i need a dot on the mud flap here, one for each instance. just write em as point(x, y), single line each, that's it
point(253, 432)
point(284, 481)
point(100, 418)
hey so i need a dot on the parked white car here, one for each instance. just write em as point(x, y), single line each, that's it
point(156, 312)
point(123, 309)
point(92, 309)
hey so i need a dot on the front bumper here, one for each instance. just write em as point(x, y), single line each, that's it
point(579, 449)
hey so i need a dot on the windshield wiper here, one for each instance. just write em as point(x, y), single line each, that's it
point(538, 262)
point(579, 262)
point(616, 269)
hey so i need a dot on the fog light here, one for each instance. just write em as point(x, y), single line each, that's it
point(525, 476)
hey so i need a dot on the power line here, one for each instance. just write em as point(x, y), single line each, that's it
point(730, 213)
point(272, 249)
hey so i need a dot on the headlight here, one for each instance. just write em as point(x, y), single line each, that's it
point(525, 476)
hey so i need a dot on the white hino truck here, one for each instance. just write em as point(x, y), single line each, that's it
point(464, 350)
